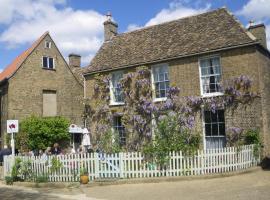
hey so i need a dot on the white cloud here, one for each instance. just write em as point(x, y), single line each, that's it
point(74, 31)
point(176, 10)
point(258, 10)
point(132, 27)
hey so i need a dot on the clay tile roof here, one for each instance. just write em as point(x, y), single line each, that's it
point(201, 33)
point(16, 63)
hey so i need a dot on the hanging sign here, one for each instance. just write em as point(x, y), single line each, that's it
point(73, 128)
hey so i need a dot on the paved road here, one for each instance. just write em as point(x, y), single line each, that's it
point(252, 186)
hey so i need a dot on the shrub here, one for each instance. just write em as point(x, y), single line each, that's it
point(252, 136)
point(170, 136)
point(109, 142)
point(41, 132)
point(9, 180)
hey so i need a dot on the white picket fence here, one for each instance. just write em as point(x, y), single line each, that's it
point(133, 165)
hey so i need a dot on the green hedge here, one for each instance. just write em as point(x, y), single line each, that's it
point(41, 132)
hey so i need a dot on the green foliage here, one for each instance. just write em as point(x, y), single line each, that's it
point(170, 137)
point(41, 132)
point(252, 137)
point(83, 171)
point(15, 169)
point(109, 142)
point(9, 180)
point(26, 170)
point(21, 170)
point(42, 178)
point(56, 164)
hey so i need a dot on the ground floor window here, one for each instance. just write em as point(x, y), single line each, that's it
point(120, 129)
point(214, 127)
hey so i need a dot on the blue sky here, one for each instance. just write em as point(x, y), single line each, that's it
point(76, 25)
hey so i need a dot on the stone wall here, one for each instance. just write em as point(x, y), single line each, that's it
point(184, 73)
point(25, 95)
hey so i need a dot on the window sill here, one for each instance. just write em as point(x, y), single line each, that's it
point(159, 99)
point(216, 94)
point(45, 68)
point(117, 103)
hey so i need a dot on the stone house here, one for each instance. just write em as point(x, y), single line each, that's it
point(194, 53)
point(40, 82)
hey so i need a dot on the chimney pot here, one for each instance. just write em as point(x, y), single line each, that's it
point(110, 28)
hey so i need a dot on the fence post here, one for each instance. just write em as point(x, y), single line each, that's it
point(96, 160)
point(121, 165)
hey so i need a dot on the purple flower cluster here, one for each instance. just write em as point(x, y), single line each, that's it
point(234, 134)
point(173, 91)
point(147, 106)
point(142, 83)
point(144, 72)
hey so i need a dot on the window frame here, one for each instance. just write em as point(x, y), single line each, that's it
point(112, 96)
point(153, 83)
point(122, 134)
point(213, 94)
point(47, 42)
point(217, 123)
point(48, 60)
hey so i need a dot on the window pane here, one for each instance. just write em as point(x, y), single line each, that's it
point(222, 129)
point(204, 71)
point(208, 129)
point(214, 129)
point(162, 94)
point(51, 63)
point(162, 86)
point(161, 77)
point(215, 61)
point(207, 117)
point(221, 115)
point(205, 63)
point(166, 77)
point(214, 117)
point(45, 62)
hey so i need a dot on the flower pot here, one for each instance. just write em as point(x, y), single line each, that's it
point(84, 179)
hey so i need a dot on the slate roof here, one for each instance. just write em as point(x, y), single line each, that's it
point(18, 61)
point(205, 32)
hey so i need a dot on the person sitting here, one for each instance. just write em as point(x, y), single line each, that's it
point(56, 149)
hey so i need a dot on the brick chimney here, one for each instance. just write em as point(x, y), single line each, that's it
point(110, 28)
point(258, 31)
point(74, 60)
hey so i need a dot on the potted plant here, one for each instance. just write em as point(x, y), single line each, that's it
point(84, 179)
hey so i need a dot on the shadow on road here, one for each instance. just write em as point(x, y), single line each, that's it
point(8, 193)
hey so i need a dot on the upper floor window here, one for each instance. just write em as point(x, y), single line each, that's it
point(160, 79)
point(48, 44)
point(210, 75)
point(120, 129)
point(115, 89)
point(48, 62)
